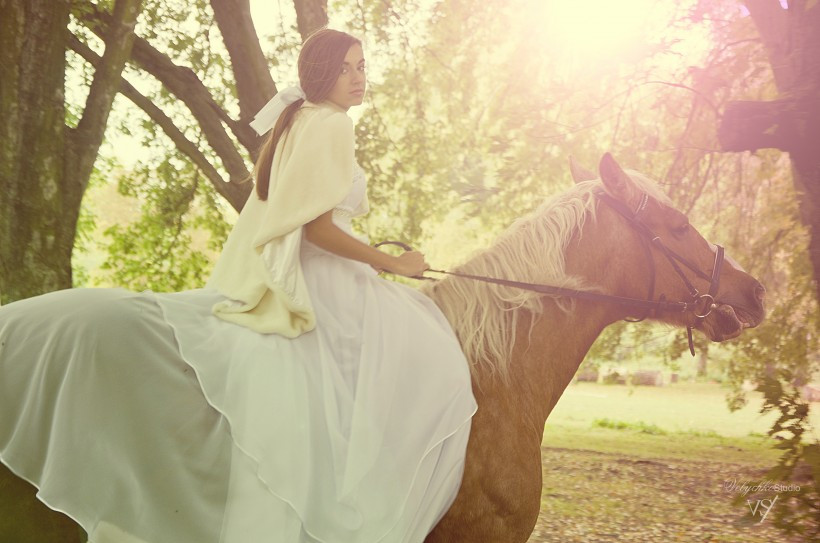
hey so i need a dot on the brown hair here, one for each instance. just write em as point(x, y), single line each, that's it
point(320, 63)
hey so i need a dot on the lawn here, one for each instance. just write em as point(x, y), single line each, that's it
point(652, 464)
point(694, 407)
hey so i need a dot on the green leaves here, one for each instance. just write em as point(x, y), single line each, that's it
point(171, 245)
point(798, 512)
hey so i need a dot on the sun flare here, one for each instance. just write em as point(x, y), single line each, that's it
point(594, 30)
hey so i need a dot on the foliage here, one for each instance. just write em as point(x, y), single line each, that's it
point(797, 509)
point(782, 355)
point(157, 251)
point(87, 223)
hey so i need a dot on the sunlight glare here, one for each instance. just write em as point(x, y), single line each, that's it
point(593, 30)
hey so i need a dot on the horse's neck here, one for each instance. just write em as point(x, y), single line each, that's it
point(543, 364)
point(545, 360)
point(504, 452)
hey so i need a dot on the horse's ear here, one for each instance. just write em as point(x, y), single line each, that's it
point(616, 181)
point(578, 172)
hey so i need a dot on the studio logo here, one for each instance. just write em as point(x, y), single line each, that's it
point(760, 506)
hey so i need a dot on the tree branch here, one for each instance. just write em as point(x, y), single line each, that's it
point(183, 83)
point(705, 98)
point(236, 194)
point(254, 85)
point(790, 123)
point(88, 136)
point(787, 124)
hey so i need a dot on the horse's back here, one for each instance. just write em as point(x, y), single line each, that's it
point(95, 311)
point(93, 393)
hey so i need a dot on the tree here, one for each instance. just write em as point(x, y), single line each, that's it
point(791, 122)
point(783, 357)
point(46, 164)
point(44, 178)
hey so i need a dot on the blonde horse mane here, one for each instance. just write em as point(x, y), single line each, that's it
point(484, 316)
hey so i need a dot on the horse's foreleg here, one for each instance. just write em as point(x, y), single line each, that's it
point(24, 518)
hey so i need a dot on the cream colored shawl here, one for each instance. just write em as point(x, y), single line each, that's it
point(259, 268)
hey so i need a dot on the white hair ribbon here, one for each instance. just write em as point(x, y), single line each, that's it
point(270, 112)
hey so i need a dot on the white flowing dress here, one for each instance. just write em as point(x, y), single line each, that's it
point(147, 419)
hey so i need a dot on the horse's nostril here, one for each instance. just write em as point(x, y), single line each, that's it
point(760, 292)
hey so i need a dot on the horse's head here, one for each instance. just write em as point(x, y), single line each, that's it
point(647, 248)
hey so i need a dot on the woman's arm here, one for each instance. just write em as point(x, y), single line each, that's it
point(324, 233)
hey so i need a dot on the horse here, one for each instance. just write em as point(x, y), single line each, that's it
point(615, 233)
point(612, 247)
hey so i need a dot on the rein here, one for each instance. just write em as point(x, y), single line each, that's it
point(706, 302)
point(651, 305)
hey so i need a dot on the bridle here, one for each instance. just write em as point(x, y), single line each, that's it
point(701, 304)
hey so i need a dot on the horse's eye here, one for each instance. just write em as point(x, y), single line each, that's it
point(681, 230)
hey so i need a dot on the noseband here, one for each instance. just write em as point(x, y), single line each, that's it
point(701, 304)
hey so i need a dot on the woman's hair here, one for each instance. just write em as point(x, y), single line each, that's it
point(320, 63)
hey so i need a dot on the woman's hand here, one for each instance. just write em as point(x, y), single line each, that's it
point(409, 264)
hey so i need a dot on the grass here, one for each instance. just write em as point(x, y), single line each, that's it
point(639, 426)
point(685, 420)
point(750, 450)
point(651, 465)
point(682, 407)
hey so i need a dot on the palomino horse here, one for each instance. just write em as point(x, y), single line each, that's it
point(524, 347)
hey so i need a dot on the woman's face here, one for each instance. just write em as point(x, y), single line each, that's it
point(349, 88)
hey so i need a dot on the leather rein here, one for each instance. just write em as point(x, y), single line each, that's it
point(701, 304)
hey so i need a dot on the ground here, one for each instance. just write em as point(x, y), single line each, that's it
point(652, 465)
point(660, 465)
point(596, 497)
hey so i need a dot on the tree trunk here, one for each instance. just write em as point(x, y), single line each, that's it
point(254, 85)
point(45, 165)
point(311, 15)
point(35, 249)
point(25, 519)
point(703, 363)
point(806, 179)
point(792, 122)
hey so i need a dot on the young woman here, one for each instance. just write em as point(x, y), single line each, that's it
point(298, 397)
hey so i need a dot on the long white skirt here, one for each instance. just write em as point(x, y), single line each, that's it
point(147, 419)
